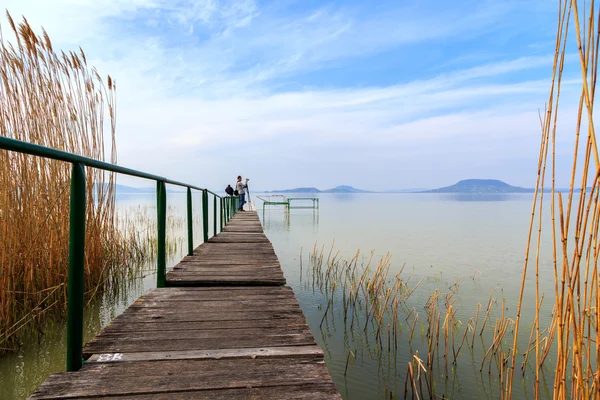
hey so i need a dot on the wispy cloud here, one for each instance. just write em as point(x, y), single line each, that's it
point(378, 89)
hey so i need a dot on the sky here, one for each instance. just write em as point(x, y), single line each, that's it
point(291, 93)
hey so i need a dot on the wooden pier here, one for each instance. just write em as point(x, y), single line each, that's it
point(225, 328)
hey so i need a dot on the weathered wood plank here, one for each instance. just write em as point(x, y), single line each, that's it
point(174, 344)
point(163, 377)
point(229, 239)
point(310, 352)
point(211, 316)
point(157, 325)
point(325, 391)
point(204, 280)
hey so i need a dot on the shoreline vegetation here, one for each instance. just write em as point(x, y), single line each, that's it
point(54, 99)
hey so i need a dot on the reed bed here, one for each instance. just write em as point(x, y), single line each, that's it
point(55, 99)
point(379, 316)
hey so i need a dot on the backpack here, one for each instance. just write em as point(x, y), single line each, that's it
point(236, 193)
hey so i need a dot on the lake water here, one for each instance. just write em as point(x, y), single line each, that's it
point(440, 238)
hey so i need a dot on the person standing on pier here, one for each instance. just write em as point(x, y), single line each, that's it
point(241, 188)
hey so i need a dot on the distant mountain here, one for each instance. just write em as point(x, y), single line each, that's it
point(337, 189)
point(481, 186)
point(345, 189)
point(122, 189)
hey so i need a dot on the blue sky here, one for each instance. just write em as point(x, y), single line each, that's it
point(378, 95)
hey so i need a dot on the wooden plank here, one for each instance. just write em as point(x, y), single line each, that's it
point(205, 280)
point(157, 325)
point(232, 262)
point(211, 316)
point(243, 269)
point(311, 352)
point(248, 303)
point(175, 335)
point(173, 376)
point(234, 246)
point(317, 391)
point(229, 239)
point(216, 292)
point(121, 345)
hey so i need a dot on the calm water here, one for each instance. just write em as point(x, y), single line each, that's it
point(439, 237)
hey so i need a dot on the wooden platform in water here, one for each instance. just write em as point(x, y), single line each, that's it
point(246, 340)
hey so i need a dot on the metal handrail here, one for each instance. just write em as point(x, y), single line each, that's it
point(75, 291)
point(287, 201)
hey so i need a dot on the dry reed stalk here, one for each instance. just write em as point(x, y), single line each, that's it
point(575, 312)
point(487, 313)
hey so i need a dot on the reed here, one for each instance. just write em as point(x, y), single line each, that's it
point(575, 236)
point(374, 305)
point(55, 99)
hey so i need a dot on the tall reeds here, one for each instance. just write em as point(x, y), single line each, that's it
point(573, 222)
point(57, 100)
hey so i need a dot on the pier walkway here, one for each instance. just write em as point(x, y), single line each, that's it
point(223, 328)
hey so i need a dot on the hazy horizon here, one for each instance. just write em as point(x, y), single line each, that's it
point(263, 189)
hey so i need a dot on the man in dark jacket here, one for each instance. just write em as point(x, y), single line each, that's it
point(229, 190)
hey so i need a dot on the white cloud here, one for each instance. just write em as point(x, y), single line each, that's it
point(195, 84)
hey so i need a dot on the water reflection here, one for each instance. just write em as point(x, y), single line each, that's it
point(484, 197)
point(281, 219)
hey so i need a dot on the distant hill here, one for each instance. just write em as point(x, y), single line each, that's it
point(345, 189)
point(481, 186)
point(337, 189)
point(123, 189)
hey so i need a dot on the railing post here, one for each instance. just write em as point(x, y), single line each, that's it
point(215, 216)
point(227, 209)
point(190, 223)
point(76, 285)
point(221, 213)
point(161, 210)
point(205, 214)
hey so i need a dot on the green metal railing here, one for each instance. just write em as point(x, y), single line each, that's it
point(76, 286)
point(287, 201)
